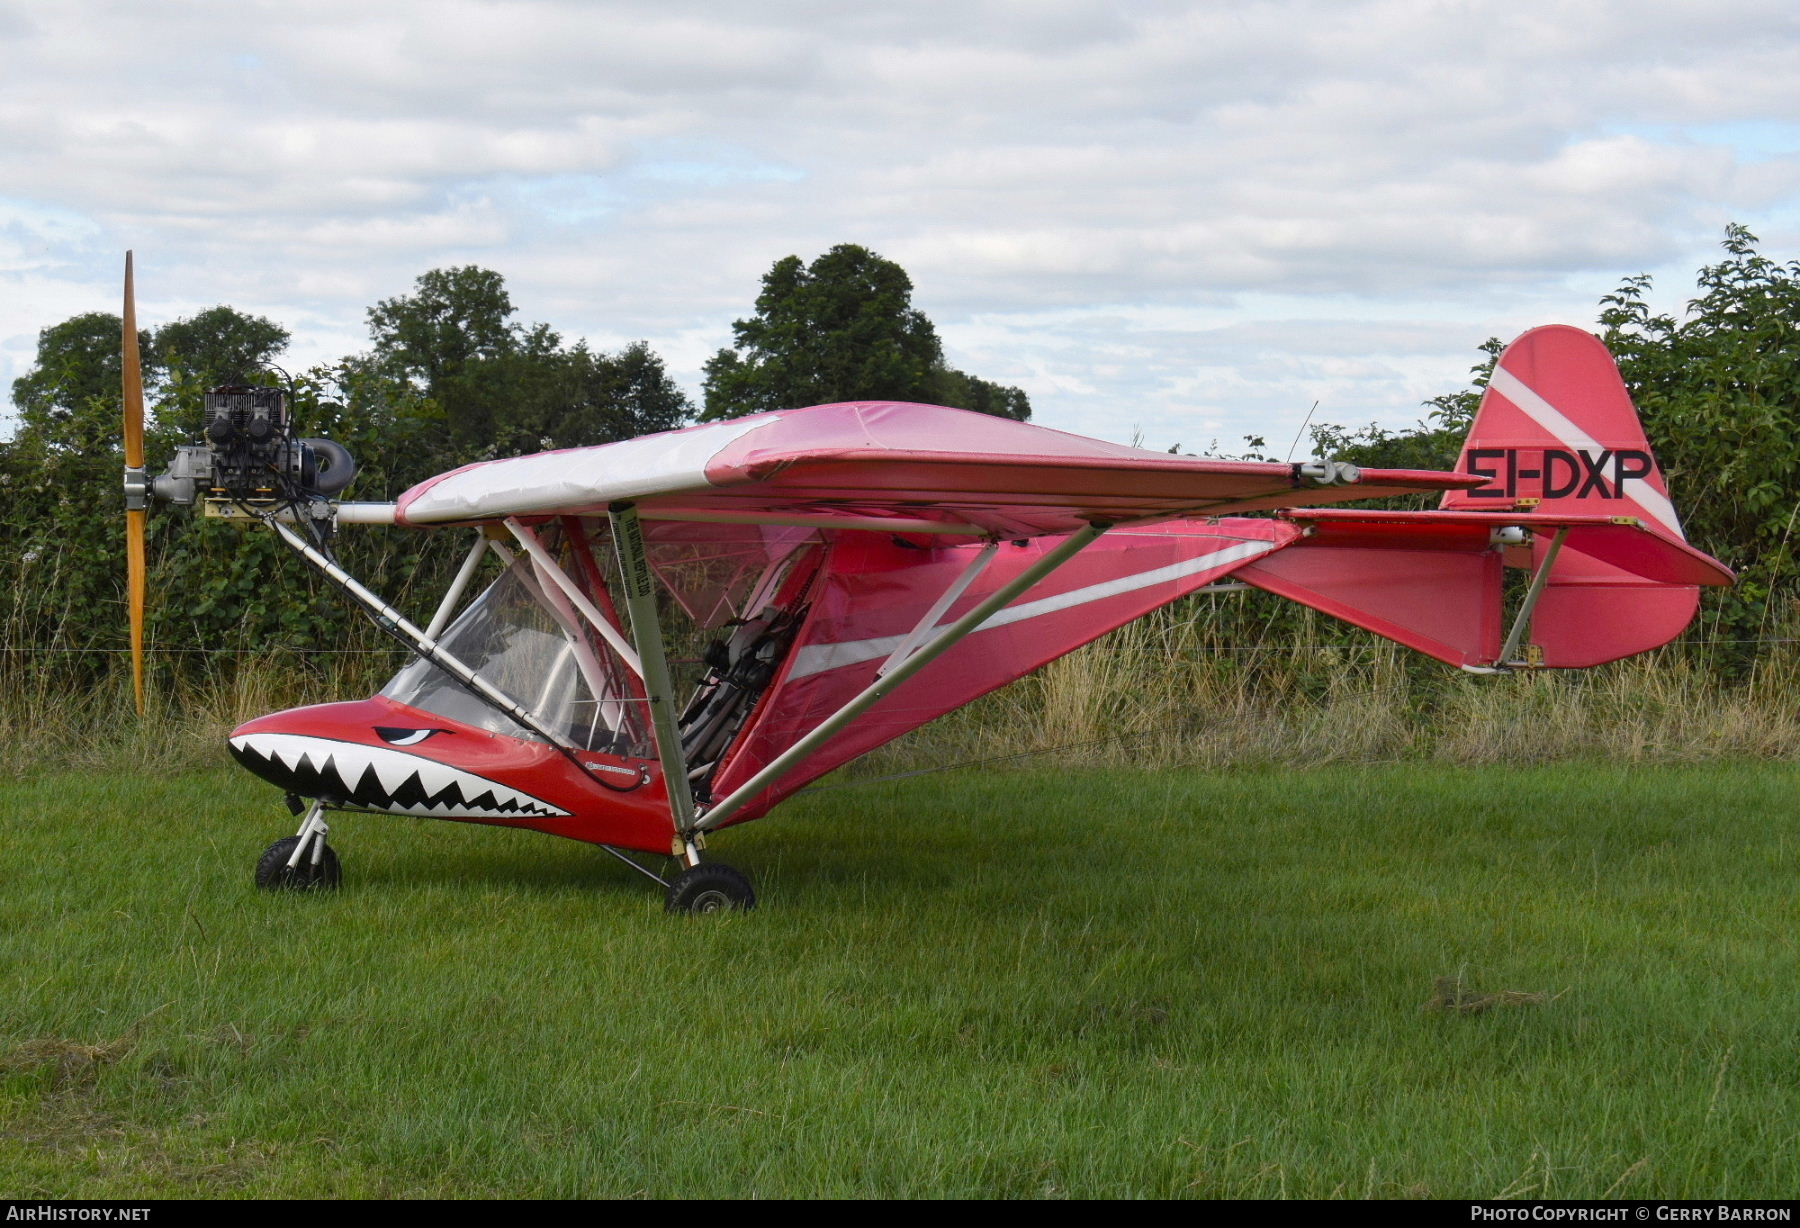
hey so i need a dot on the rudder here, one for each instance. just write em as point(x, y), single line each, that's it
point(1556, 432)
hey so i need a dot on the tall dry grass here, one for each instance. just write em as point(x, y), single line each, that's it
point(1177, 689)
point(54, 718)
point(1184, 686)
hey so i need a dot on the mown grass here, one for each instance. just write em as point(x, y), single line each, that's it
point(1032, 983)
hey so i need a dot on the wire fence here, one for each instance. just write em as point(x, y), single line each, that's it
point(398, 649)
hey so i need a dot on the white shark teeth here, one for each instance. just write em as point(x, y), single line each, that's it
point(380, 778)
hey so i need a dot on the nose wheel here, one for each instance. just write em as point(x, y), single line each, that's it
point(710, 887)
point(303, 861)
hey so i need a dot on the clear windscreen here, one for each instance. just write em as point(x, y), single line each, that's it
point(523, 638)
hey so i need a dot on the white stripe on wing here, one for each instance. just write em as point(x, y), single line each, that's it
point(817, 658)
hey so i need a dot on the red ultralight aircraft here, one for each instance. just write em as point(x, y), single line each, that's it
point(871, 566)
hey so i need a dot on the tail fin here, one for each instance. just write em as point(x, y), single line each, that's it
point(1556, 432)
point(1569, 481)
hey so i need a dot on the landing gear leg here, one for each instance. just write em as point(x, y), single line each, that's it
point(709, 886)
point(303, 861)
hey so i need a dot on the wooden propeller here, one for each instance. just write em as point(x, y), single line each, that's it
point(136, 488)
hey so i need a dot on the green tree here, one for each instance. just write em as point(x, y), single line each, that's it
point(70, 396)
point(615, 396)
point(966, 391)
point(503, 388)
point(447, 339)
point(1719, 390)
point(453, 317)
point(217, 346)
point(841, 329)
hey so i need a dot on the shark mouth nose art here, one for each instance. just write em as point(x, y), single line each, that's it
point(378, 778)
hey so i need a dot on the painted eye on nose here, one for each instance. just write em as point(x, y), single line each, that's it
point(404, 737)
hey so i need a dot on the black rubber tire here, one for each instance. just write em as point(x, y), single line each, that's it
point(711, 887)
point(273, 874)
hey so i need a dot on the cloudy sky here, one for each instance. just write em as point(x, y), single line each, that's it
point(1183, 221)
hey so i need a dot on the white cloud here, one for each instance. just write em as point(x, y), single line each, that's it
point(1152, 215)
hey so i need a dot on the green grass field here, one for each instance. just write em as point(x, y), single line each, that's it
point(1012, 984)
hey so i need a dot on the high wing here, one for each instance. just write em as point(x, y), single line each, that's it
point(869, 464)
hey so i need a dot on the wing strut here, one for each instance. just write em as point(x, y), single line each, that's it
point(926, 653)
point(458, 586)
point(929, 623)
point(653, 668)
point(577, 598)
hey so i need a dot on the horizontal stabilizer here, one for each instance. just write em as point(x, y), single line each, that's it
point(1433, 581)
point(1640, 548)
point(1433, 590)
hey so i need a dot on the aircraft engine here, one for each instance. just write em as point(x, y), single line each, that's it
point(252, 457)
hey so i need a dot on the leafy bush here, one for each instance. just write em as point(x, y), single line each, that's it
point(451, 378)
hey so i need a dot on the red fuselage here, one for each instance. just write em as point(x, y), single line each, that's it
point(379, 755)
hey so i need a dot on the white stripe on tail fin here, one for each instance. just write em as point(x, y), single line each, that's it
point(1557, 426)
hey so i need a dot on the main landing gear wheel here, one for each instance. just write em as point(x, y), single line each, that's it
point(710, 887)
point(274, 874)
